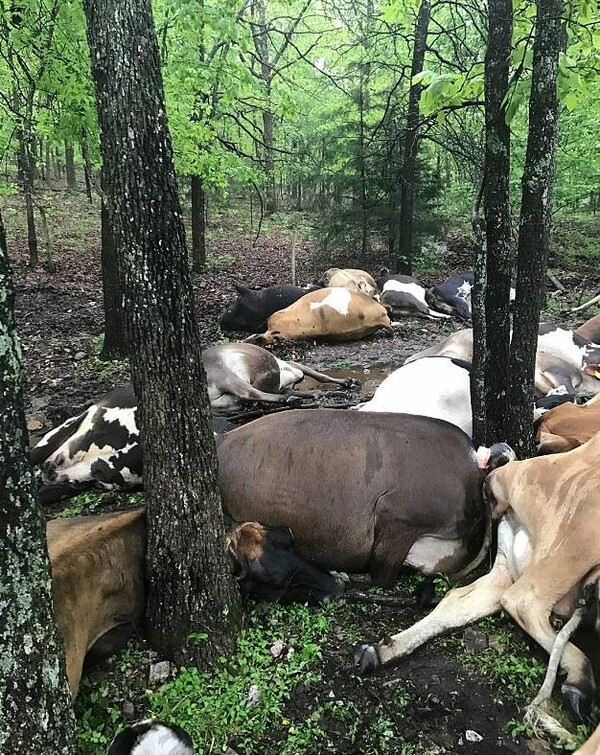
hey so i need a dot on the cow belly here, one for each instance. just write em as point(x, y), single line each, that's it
point(432, 554)
point(514, 542)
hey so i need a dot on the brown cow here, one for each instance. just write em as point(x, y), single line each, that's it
point(590, 329)
point(98, 577)
point(355, 280)
point(548, 551)
point(327, 314)
point(592, 746)
point(567, 426)
point(362, 492)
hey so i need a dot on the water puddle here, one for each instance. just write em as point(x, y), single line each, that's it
point(368, 377)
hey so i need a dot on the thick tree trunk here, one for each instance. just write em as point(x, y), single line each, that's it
point(113, 291)
point(190, 587)
point(198, 224)
point(36, 715)
point(534, 224)
point(491, 327)
point(70, 167)
point(411, 141)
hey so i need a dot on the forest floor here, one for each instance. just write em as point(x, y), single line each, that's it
point(461, 694)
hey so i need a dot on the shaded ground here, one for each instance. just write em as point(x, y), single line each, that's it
point(435, 697)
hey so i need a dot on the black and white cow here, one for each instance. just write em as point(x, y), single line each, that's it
point(404, 295)
point(253, 307)
point(453, 295)
point(435, 387)
point(100, 445)
point(152, 738)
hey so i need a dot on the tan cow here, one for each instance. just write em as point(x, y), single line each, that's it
point(567, 426)
point(592, 746)
point(98, 577)
point(548, 550)
point(355, 280)
point(327, 314)
point(590, 329)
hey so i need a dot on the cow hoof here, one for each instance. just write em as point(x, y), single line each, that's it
point(352, 383)
point(579, 700)
point(293, 400)
point(367, 659)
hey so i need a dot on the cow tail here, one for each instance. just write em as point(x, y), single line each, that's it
point(483, 551)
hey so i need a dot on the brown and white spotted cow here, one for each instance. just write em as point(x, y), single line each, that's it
point(98, 577)
point(548, 551)
point(327, 314)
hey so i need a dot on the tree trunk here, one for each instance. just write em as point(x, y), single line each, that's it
point(261, 44)
point(70, 167)
point(411, 141)
point(36, 715)
point(198, 225)
point(190, 586)
point(491, 327)
point(26, 180)
point(534, 223)
point(3, 245)
point(113, 291)
point(87, 166)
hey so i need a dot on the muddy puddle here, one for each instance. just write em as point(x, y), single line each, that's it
point(368, 377)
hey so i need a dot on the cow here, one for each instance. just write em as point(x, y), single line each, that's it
point(100, 445)
point(590, 329)
point(98, 565)
point(362, 492)
point(452, 296)
point(253, 307)
point(433, 387)
point(563, 358)
point(354, 280)
point(328, 314)
point(548, 552)
point(152, 737)
point(592, 746)
point(404, 295)
point(567, 426)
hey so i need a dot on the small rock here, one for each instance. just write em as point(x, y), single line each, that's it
point(128, 710)
point(473, 736)
point(254, 696)
point(474, 641)
point(159, 672)
point(34, 424)
point(277, 648)
point(79, 356)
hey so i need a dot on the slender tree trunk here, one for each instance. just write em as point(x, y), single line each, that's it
point(411, 140)
point(70, 167)
point(491, 327)
point(261, 43)
point(113, 291)
point(3, 245)
point(190, 587)
point(26, 180)
point(534, 224)
point(198, 225)
point(36, 716)
point(87, 166)
point(41, 161)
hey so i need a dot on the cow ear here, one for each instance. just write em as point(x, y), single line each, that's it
point(241, 289)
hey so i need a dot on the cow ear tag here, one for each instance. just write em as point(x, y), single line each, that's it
point(483, 457)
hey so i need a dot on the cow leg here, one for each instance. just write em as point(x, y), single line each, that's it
point(530, 601)
point(321, 377)
point(460, 606)
point(240, 388)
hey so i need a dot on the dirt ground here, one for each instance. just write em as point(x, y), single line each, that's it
point(60, 321)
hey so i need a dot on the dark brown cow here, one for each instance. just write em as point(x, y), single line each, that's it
point(98, 577)
point(362, 492)
point(567, 426)
point(590, 329)
point(328, 314)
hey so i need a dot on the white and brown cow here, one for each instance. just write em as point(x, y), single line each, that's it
point(328, 314)
point(98, 566)
point(353, 279)
point(548, 551)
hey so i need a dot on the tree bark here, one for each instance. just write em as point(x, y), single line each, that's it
point(70, 167)
point(198, 224)
point(26, 180)
point(87, 166)
point(534, 223)
point(411, 141)
point(113, 292)
point(190, 586)
point(491, 328)
point(36, 716)
point(3, 245)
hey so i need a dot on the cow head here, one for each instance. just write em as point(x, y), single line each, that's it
point(243, 309)
point(147, 737)
point(266, 563)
